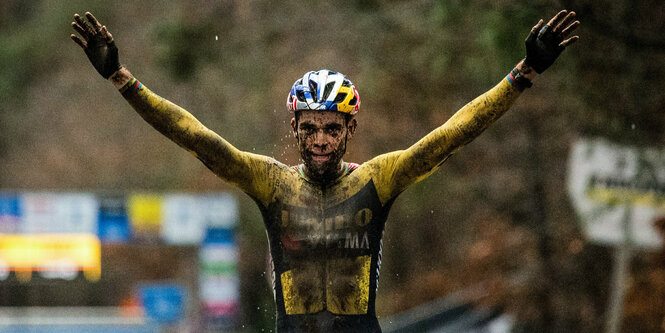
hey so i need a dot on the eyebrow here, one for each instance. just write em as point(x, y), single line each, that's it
point(333, 126)
point(330, 126)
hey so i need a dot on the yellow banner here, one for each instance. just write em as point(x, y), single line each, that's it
point(26, 253)
point(145, 213)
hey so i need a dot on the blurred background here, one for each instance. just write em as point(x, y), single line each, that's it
point(497, 214)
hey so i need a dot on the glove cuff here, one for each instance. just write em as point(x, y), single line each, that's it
point(517, 79)
point(132, 84)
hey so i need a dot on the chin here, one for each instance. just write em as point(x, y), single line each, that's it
point(322, 168)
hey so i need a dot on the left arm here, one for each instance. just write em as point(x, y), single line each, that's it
point(402, 168)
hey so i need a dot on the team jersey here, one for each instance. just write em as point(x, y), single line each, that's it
point(325, 239)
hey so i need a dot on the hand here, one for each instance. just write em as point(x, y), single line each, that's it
point(545, 43)
point(97, 43)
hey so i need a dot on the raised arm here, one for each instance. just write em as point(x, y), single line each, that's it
point(543, 46)
point(248, 171)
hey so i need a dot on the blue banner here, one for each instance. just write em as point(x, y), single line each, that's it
point(10, 213)
point(163, 303)
point(113, 224)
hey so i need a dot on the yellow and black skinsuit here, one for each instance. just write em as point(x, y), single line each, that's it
point(325, 239)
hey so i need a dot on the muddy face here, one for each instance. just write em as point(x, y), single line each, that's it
point(322, 138)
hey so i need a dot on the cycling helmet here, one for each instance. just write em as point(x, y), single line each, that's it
point(323, 90)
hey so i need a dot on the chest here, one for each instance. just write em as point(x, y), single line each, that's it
point(327, 220)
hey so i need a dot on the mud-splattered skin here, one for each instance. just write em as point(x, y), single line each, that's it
point(325, 237)
point(322, 137)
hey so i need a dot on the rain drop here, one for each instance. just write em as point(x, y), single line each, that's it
point(216, 37)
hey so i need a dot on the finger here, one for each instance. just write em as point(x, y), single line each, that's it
point(88, 29)
point(565, 22)
point(553, 22)
point(107, 35)
point(81, 31)
point(93, 21)
point(78, 41)
point(537, 27)
point(569, 29)
point(534, 30)
point(569, 41)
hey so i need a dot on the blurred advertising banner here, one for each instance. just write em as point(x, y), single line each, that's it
point(221, 210)
point(145, 214)
point(46, 212)
point(219, 283)
point(113, 222)
point(163, 303)
point(184, 221)
point(52, 255)
point(10, 213)
point(188, 216)
point(610, 183)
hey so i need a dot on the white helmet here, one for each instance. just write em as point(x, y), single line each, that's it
point(324, 90)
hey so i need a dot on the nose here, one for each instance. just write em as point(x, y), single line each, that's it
point(320, 139)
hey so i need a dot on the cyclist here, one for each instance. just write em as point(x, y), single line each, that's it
point(325, 217)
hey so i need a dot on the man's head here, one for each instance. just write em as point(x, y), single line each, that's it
point(324, 104)
point(322, 137)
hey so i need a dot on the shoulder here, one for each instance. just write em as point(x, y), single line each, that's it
point(382, 161)
point(377, 168)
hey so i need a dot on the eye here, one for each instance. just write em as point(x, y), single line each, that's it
point(307, 129)
point(333, 130)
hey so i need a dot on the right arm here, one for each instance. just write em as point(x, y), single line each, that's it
point(237, 167)
point(249, 172)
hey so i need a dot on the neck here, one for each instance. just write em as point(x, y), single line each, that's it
point(326, 177)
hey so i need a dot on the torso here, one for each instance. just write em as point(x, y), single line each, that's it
point(325, 245)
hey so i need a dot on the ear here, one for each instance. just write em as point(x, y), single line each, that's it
point(293, 127)
point(351, 126)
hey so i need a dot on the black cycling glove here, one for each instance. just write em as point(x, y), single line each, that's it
point(103, 55)
point(542, 48)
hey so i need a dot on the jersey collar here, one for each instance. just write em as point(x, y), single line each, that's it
point(345, 171)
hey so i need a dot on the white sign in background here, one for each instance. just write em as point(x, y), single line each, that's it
point(218, 280)
point(183, 221)
point(186, 217)
point(605, 180)
point(45, 212)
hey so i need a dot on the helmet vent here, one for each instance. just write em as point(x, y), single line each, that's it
point(312, 89)
point(300, 95)
point(353, 101)
point(327, 91)
point(339, 98)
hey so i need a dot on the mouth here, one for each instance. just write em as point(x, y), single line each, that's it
point(320, 158)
